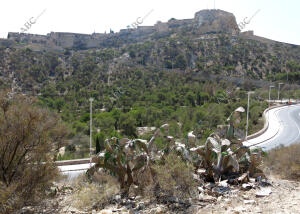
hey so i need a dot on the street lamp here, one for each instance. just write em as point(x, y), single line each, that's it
point(279, 90)
point(271, 86)
point(249, 93)
point(91, 130)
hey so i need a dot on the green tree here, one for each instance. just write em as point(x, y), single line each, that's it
point(127, 123)
point(100, 140)
point(180, 62)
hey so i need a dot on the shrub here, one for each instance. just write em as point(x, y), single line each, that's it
point(174, 177)
point(29, 140)
point(97, 194)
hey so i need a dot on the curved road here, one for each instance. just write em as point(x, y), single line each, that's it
point(284, 128)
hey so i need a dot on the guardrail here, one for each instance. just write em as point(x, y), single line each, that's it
point(72, 162)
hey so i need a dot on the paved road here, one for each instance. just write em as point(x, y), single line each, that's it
point(73, 171)
point(284, 128)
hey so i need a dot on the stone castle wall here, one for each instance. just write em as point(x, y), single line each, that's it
point(206, 21)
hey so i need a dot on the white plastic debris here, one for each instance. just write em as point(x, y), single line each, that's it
point(264, 192)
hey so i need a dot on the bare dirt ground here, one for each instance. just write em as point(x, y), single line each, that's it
point(284, 198)
point(281, 197)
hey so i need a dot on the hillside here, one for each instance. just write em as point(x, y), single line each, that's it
point(211, 43)
point(192, 71)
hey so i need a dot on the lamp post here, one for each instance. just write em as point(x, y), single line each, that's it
point(91, 130)
point(249, 93)
point(287, 81)
point(279, 90)
point(271, 86)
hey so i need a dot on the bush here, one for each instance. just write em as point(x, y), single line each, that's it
point(97, 194)
point(284, 162)
point(174, 177)
point(29, 140)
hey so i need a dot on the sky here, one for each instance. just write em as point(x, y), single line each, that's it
point(274, 19)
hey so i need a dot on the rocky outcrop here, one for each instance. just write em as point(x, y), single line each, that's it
point(214, 21)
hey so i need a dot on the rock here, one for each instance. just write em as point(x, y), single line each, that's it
point(201, 171)
point(252, 180)
point(249, 202)
point(27, 210)
point(246, 197)
point(158, 210)
point(206, 198)
point(196, 177)
point(247, 186)
point(220, 190)
point(105, 212)
point(117, 197)
point(240, 209)
point(223, 183)
point(264, 192)
point(200, 189)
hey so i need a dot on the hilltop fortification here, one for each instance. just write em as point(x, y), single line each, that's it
point(204, 22)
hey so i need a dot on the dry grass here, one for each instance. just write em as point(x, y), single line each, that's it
point(284, 162)
point(145, 184)
point(96, 194)
point(175, 178)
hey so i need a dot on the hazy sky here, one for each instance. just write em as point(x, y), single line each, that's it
point(276, 19)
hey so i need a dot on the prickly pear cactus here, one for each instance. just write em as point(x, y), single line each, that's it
point(122, 158)
point(220, 156)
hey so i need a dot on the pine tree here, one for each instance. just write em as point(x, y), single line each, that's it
point(97, 144)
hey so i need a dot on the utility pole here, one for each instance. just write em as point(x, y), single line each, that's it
point(279, 90)
point(249, 93)
point(91, 129)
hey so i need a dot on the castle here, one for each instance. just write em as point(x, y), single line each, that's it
point(204, 21)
